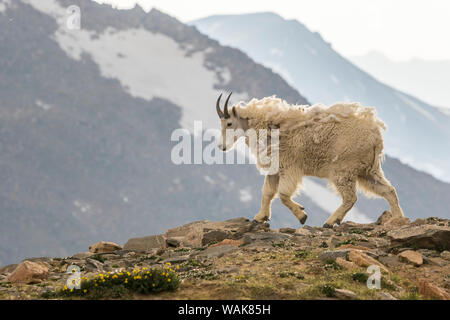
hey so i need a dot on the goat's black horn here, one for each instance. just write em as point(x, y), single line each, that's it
point(219, 112)
point(225, 109)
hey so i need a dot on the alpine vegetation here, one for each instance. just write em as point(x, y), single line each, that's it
point(342, 143)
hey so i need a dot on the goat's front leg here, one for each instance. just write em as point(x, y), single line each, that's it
point(270, 189)
point(287, 188)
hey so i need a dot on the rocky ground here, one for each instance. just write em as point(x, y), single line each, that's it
point(243, 259)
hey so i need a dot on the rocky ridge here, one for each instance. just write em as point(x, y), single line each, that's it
point(240, 259)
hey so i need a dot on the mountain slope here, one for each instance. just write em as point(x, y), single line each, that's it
point(86, 118)
point(85, 149)
point(418, 133)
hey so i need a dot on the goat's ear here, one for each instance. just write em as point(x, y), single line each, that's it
point(234, 112)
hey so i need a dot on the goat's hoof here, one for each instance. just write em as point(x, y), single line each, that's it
point(303, 220)
point(338, 221)
point(261, 218)
point(329, 226)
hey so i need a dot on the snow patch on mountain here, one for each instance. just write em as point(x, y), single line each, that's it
point(148, 65)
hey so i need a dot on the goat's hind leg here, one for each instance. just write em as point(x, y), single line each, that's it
point(379, 185)
point(270, 189)
point(347, 191)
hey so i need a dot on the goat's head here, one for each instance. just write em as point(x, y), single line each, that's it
point(233, 126)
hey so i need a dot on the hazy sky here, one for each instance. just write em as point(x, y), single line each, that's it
point(401, 29)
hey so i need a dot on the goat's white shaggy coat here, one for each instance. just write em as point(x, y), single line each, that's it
point(342, 143)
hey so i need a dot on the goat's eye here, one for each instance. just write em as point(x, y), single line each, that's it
point(229, 124)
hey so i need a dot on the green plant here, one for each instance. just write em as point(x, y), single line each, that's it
point(323, 245)
point(412, 294)
point(98, 258)
point(357, 231)
point(121, 284)
point(302, 254)
point(278, 244)
point(348, 241)
point(291, 274)
point(360, 277)
point(327, 290)
point(331, 264)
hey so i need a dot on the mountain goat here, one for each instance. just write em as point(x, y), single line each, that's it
point(342, 143)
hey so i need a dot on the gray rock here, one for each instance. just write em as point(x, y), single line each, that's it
point(122, 252)
point(334, 254)
point(145, 243)
point(267, 238)
point(379, 242)
point(301, 232)
point(8, 269)
point(92, 264)
point(429, 253)
point(215, 236)
point(289, 230)
point(344, 294)
point(435, 261)
point(173, 242)
point(422, 236)
point(111, 256)
point(386, 296)
point(82, 255)
point(390, 260)
point(197, 234)
point(218, 251)
point(178, 259)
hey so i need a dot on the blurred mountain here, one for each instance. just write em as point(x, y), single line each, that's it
point(418, 133)
point(86, 119)
point(428, 80)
